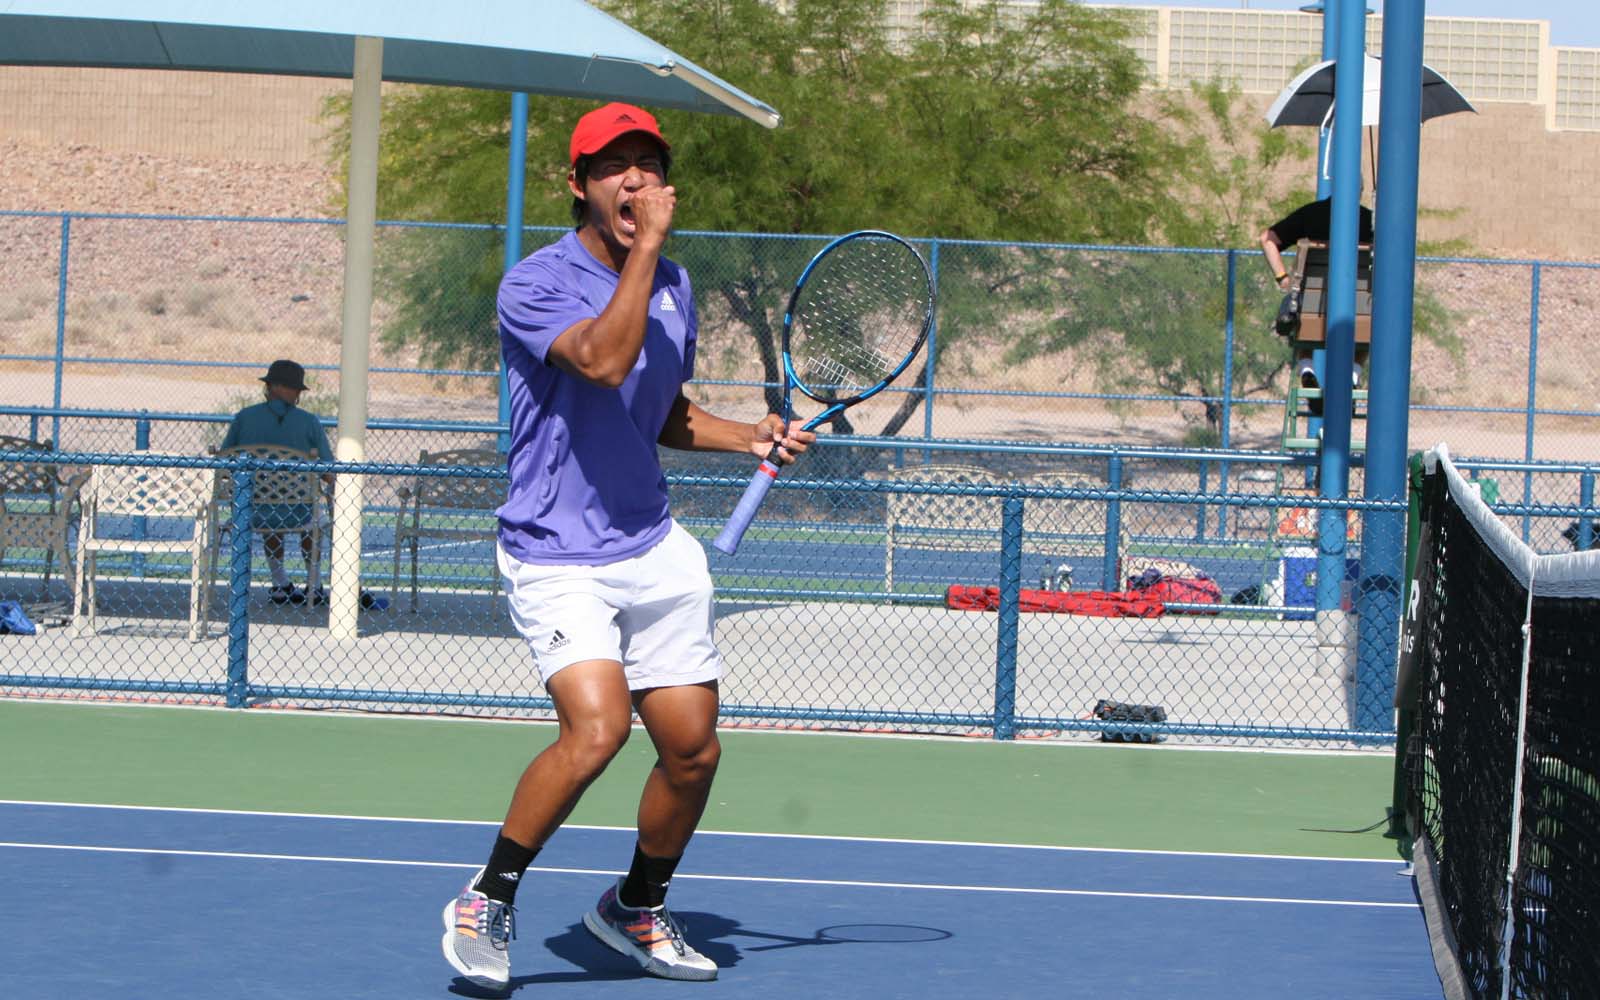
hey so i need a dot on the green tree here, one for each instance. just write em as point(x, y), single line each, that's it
point(986, 125)
point(1030, 126)
point(1233, 167)
point(1152, 323)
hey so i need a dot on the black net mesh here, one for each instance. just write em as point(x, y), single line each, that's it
point(1463, 764)
point(1558, 878)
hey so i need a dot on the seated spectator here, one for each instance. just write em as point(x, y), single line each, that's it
point(279, 421)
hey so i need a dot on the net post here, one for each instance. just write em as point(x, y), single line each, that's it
point(1405, 687)
point(1005, 666)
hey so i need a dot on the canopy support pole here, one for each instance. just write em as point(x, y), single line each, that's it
point(344, 580)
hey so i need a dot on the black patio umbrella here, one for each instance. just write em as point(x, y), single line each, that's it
point(1309, 98)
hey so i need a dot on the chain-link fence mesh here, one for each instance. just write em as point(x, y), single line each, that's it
point(1470, 357)
point(871, 603)
point(1039, 343)
point(835, 611)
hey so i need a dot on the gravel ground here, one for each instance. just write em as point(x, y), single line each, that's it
point(77, 178)
point(251, 292)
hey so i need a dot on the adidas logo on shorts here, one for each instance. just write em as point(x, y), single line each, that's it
point(557, 640)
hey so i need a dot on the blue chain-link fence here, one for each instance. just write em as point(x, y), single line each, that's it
point(1115, 345)
point(947, 562)
point(925, 598)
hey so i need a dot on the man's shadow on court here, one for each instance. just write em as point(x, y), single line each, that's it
point(710, 934)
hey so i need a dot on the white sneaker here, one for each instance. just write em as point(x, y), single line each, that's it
point(652, 937)
point(476, 931)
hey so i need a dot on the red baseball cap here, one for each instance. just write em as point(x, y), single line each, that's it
point(597, 128)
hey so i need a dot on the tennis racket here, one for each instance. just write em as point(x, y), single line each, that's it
point(855, 320)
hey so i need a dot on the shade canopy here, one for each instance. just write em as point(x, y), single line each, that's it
point(560, 47)
point(1308, 99)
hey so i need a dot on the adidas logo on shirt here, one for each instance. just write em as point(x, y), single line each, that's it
point(667, 305)
point(557, 640)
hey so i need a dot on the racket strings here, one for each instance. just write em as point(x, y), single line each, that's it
point(861, 313)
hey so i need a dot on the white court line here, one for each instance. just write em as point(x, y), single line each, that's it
point(844, 883)
point(439, 545)
point(718, 833)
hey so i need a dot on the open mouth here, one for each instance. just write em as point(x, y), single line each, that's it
point(625, 215)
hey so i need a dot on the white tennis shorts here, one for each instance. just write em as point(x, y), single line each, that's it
point(651, 613)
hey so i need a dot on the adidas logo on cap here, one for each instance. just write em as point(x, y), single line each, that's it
point(604, 124)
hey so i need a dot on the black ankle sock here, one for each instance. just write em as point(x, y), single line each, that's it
point(646, 884)
point(503, 873)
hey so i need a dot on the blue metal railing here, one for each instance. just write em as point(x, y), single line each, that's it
point(1001, 717)
point(933, 392)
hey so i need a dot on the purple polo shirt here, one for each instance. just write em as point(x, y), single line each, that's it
point(586, 483)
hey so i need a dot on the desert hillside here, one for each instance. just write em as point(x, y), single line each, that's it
point(221, 293)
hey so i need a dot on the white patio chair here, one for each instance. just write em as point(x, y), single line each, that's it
point(118, 493)
point(456, 508)
point(295, 498)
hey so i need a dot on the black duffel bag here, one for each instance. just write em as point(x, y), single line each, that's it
point(1117, 711)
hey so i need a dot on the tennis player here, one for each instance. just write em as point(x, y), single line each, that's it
point(612, 595)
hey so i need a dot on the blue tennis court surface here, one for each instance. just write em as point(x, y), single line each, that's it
point(121, 903)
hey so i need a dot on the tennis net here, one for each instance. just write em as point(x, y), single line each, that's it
point(1501, 664)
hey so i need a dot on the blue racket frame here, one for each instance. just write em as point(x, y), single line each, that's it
point(766, 474)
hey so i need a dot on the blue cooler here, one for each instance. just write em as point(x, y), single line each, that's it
point(1300, 582)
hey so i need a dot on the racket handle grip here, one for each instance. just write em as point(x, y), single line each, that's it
point(745, 511)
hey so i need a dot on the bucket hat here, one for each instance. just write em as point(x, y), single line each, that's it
point(285, 373)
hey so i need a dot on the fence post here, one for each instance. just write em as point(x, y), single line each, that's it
point(141, 442)
point(239, 588)
point(1113, 543)
point(1533, 373)
point(1005, 659)
point(515, 173)
point(61, 327)
point(1226, 441)
point(1585, 499)
point(929, 355)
